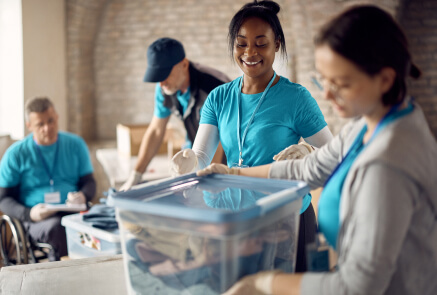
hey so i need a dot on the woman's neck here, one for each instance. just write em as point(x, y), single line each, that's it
point(255, 85)
point(373, 118)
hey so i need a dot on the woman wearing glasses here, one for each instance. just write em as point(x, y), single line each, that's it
point(259, 114)
point(378, 208)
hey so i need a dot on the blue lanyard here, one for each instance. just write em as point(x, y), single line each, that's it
point(378, 128)
point(241, 141)
point(46, 166)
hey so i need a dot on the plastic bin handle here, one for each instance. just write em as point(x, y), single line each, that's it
point(276, 200)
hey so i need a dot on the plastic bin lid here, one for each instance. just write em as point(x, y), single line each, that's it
point(214, 198)
point(75, 222)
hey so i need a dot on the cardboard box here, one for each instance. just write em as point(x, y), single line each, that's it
point(129, 139)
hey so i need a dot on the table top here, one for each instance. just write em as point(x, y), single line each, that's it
point(118, 167)
point(88, 276)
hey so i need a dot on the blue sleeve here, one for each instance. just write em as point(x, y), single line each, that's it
point(160, 110)
point(9, 169)
point(208, 113)
point(85, 166)
point(308, 117)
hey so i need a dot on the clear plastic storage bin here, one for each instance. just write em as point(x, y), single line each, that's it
point(199, 235)
point(84, 241)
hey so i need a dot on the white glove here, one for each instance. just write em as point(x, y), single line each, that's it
point(257, 284)
point(40, 212)
point(76, 198)
point(219, 169)
point(134, 178)
point(295, 151)
point(183, 162)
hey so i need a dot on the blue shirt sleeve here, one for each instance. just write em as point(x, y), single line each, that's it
point(208, 113)
point(308, 117)
point(160, 110)
point(9, 169)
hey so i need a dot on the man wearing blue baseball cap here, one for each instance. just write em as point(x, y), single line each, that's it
point(181, 89)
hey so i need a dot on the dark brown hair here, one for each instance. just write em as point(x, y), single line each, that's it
point(371, 39)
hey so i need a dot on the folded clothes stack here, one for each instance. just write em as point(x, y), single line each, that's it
point(101, 216)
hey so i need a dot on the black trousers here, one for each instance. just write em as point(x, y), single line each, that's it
point(50, 231)
point(307, 235)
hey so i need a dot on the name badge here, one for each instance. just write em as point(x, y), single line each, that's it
point(52, 197)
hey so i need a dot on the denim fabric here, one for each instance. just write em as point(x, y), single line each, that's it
point(101, 216)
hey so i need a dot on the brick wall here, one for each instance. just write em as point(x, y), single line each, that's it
point(107, 43)
point(420, 22)
point(83, 19)
point(126, 30)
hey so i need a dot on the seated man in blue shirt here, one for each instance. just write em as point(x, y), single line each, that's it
point(47, 166)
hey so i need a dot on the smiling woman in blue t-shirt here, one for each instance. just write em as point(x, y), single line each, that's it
point(258, 115)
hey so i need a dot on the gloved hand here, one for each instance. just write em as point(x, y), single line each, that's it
point(257, 284)
point(295, 151)
point(183, 162)
point(134, 178)
point(76, 198)
point(218, 168)
point(40, 212)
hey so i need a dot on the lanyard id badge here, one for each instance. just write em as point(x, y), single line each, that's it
point(239, 138)
point(52, 197)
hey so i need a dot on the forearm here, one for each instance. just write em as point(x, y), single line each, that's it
point(87, 185)
point(205, 144)
point(286, 284)
point(150, 144)
point(314, 168)
point(10, 206)
point(259, 171)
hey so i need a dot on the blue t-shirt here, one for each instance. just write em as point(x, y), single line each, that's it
point(287, 113)
point(163, 112)
point(329, 203)
point(160, 110)
point(22, 165)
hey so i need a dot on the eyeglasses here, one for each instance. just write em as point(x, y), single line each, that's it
point(334, 89)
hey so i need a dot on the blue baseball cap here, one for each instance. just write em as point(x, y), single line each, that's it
point(162, 55)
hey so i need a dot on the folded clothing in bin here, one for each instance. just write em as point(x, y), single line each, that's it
point(101, 216)
point(183, 260)
point(199, 235)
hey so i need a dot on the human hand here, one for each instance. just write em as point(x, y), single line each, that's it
point(257, 284)
point(133, 179)
point(183, 162)
point(295, 151)
point(218, 168)
point(76, 198)
point(40, 212)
